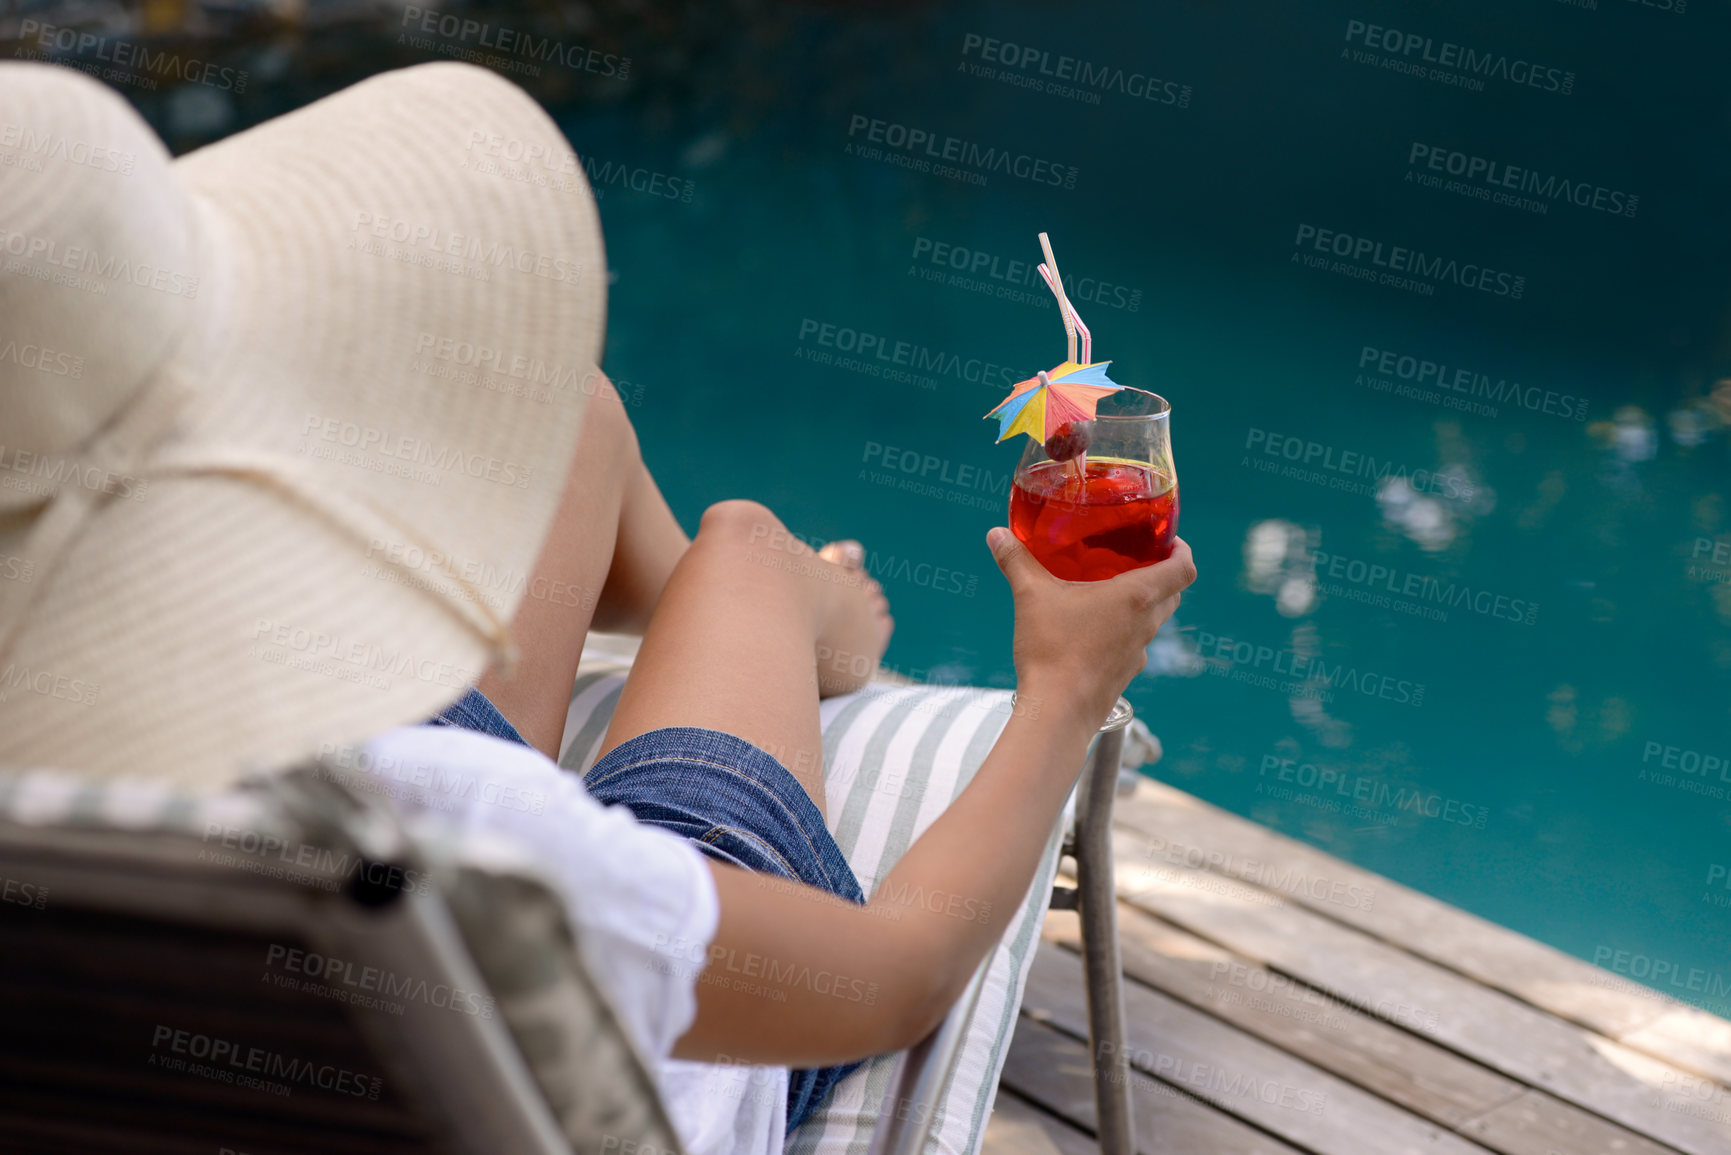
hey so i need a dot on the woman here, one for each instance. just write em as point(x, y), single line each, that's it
point(227, 418)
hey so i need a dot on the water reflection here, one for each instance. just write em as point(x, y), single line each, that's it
point(1693, 424)
point(1279, 559)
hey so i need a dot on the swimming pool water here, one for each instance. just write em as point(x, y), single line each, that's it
point(1452, 463)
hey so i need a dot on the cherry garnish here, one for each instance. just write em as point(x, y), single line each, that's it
point(1067, 441)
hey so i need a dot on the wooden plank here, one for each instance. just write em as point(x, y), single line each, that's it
point(1052, 1069)
point(1495, 1029)
point(1367, 1052)
point(1538, 1124)
point(1190, 1052)
point(1016, 1127)
point(1691, 1038)
point(1379, 1056)
point(1494, 955)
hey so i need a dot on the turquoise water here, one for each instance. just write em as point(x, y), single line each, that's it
point(1522, 611)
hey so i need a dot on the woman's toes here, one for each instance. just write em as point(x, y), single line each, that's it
point(848, 553)
point(860, 625)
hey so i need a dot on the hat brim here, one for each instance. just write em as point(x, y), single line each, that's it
point(410, 330)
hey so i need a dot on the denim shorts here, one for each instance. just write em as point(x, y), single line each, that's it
point(733, 801)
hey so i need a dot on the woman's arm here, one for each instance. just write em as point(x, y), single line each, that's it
point(799, 977)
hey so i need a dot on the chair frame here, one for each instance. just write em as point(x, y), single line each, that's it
point(465, 1071)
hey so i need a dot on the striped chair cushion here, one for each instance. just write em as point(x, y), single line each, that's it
point(895, 757)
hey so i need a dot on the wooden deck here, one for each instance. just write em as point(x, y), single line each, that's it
point(1280, 1000)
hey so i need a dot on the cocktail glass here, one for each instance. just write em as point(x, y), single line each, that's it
point(1111, 503)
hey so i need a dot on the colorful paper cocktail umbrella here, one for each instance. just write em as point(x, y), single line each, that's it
point(1052, 398)
point(1068, 392)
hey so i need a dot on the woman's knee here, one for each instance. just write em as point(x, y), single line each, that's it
point(741, 521)
point(607, 427)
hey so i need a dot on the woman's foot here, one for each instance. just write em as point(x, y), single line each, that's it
point(859, 624)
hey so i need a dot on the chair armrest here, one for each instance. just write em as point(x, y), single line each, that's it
point(916, 1089)
point(1096, 900)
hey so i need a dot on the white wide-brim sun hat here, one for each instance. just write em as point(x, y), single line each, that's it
point(283, 422)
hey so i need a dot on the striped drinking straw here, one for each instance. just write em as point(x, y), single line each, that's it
point(1072, 319)
point(1075, 318)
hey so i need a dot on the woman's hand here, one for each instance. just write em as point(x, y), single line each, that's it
point(1078, 644)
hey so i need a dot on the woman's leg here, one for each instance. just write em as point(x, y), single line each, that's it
point(611, 548)
point(751, 629)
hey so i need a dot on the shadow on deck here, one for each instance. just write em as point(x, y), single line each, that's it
point(1281, 1000)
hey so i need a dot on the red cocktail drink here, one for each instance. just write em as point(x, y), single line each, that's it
point(1119, 516)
